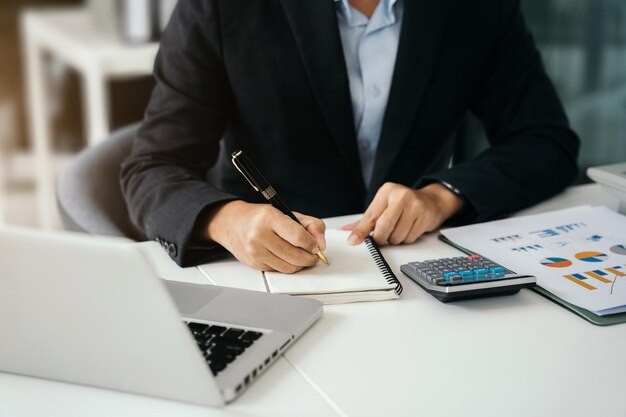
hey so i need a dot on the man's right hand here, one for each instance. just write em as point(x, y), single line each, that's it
point(263, 238)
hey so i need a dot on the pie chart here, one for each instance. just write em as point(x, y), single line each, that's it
point(619, 249)
point(591, 256)
point(556, 262)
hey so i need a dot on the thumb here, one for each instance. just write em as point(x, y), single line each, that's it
point(316, 227)
point(349, 227)
point(366, 225)
point(360, 231)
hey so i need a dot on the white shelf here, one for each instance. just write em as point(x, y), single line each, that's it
point(70, 35)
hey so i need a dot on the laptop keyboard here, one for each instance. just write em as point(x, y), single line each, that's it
point(221, 345)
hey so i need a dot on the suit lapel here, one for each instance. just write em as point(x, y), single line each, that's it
point(422, 28)
point(315, 28)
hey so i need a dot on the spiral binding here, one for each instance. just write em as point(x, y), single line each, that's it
point(382, 264)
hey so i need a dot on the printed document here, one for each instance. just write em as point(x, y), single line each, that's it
point(578, 254)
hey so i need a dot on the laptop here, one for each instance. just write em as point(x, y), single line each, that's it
point(91, 311)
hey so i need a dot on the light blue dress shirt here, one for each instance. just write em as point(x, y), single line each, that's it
point(370, 47)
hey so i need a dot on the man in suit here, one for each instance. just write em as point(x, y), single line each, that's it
point(347, 106)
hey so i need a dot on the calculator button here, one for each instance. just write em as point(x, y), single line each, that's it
point(456, 279)
point(428, 277)
point(458, 270)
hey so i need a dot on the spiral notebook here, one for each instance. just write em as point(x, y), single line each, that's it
point(355, 273)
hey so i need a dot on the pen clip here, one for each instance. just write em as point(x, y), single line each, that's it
point(235, 163)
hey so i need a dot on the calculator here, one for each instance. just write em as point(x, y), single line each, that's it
point(465, 277)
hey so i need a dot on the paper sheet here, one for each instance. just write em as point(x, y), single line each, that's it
point(579, 254)
point(351, 269)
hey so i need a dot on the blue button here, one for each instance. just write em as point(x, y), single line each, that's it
point(481, 271)
point(496, 269)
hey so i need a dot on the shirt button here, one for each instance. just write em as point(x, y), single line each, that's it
point(374, 91)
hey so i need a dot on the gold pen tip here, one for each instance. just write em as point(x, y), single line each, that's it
point(323, 258)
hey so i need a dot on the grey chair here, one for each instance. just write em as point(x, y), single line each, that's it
point(88, 191)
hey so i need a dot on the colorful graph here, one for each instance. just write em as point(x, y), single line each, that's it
point(556, 262)
point(604, 276)
point(527, 248)
point(619, 249)
point(616, 270)
point(558, 230)
point(580, 280)
point(599, 275)
point(591, 256)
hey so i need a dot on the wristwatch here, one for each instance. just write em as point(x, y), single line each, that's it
point(454, 190)
point(467, 213)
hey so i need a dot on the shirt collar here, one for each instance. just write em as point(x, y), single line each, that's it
point(358, 19)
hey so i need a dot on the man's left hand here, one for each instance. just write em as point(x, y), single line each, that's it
point(399, 214)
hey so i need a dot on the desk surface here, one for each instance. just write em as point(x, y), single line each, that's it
point(516, 356)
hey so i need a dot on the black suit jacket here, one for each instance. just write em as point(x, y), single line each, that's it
point(269, 77)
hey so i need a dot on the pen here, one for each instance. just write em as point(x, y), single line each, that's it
point(245, 166)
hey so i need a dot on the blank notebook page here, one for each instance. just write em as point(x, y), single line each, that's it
point(351, 269)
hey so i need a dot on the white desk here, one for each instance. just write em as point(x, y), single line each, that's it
point(99, 57)
point(513, 356)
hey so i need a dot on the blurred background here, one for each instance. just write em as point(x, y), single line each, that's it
point(73, 71)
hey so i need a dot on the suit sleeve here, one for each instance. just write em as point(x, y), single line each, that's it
point(533, 150)
point(164, 178)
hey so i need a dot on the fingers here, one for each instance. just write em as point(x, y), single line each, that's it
point(417, 230)
point(292, 247)
point(398, 214)
point(349, 227)
point(425, 222)
point(411, 214)
point(316, 227)
point(361, 230)
point(367, 224)
point(279, 265)
point(386, 224)
point(290, 254)
point(275, 254)
point(296, 235)
point(275, 262)
point(265, 239)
